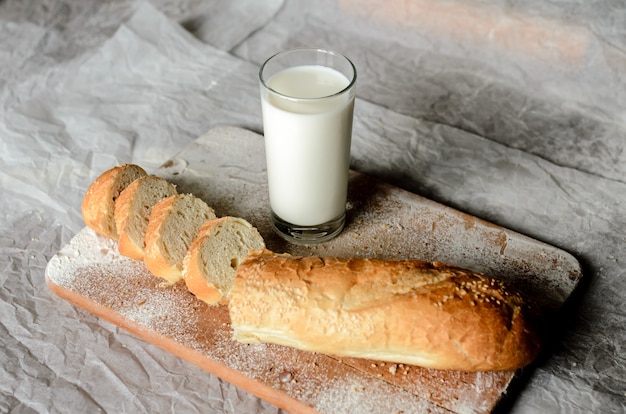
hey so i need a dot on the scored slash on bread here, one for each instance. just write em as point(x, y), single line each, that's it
point(211, 263)
point(173, 225)
point(132, 212)
point(98, 206)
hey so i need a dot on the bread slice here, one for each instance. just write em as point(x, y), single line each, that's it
point(421, 313)
point(98, 206)
point(173, 225)
point(132, 212)
point(211, 263)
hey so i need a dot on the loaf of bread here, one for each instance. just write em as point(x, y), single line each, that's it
point(427, 314)
point(132, 212)
point(210, 266)
point(98, 206)
point(173, 225)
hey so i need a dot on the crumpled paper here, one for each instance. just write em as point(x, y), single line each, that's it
point(518, 131)
point(137, 92)
point(525, 75)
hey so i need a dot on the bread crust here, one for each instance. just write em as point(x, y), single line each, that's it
point(427, 314)
point(154, 257)
point(125, 206)
point(98, 205)
point(194, 272)
point(156, 252)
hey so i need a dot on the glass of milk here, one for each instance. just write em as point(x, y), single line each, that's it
point(307, 98)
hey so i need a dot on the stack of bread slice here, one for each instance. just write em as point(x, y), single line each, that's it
point(178, 236)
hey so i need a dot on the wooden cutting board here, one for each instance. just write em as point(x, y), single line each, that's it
point(226, 168)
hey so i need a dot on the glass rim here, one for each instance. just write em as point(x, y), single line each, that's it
point(296, 99)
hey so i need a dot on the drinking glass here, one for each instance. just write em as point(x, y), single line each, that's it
point(307, 99)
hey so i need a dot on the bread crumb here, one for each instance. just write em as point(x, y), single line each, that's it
point(285, 377)
point(393, 368)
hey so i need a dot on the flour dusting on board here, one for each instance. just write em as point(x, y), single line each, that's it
point(91, 266)
point(85, 249)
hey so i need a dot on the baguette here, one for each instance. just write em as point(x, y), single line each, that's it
point(211, 263)
point(427, 314)
point(173, 225)
point(132, 212)
point(98, 206)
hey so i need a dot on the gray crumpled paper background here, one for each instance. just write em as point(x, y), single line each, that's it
point(513, 112)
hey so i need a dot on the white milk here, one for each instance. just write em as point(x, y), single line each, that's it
point(308, 144)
